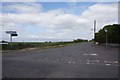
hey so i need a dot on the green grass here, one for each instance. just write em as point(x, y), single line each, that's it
point(23, 45)
point(41, 45)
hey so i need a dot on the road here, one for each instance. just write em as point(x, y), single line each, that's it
point(82, 60)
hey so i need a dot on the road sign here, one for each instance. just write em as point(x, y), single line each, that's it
point(14, 34)
point(11, 32)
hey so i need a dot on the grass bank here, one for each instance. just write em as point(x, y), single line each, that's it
point(40, 45)
point(23, 45)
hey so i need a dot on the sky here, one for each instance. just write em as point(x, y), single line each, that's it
point(55, 21)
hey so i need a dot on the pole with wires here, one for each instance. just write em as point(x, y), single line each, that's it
point(94, 30)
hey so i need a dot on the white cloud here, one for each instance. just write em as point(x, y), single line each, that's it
point(57, 23)
point(103, 13)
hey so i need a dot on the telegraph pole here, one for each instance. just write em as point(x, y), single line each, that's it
point(94, 29)
point(11, 38)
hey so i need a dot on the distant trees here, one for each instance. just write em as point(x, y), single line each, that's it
point(113, 34)
point(80, 40)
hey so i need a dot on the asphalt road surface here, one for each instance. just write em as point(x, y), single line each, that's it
point(82, 60)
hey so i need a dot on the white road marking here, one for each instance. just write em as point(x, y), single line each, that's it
point(69, 62)
point(90, 54)
point(107, 64)
point(88, 63)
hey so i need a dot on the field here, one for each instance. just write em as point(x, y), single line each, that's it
point(43, 45)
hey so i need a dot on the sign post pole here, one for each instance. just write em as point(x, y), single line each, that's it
point(12, 33)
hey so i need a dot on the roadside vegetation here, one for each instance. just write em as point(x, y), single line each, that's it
point(113, 34)
point(41, 45)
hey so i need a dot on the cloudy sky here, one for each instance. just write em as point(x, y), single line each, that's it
point(55, 21)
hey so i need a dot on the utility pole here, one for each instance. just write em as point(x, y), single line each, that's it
point(94, 29)
point(11, 38)
point(119, 24)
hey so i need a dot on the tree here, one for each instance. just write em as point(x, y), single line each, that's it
point(113, 34)
point(80, 40)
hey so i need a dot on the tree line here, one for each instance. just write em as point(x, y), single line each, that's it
point(113, 34)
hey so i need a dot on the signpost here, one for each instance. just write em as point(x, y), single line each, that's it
point(12, 33)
